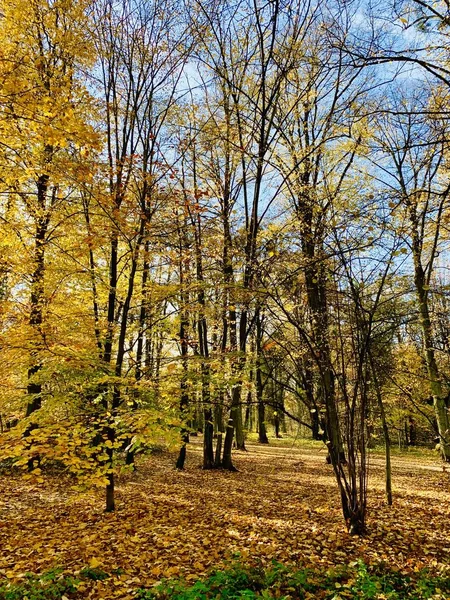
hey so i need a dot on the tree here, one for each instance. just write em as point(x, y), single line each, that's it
point(45, 117)
point(416, 146)
point(142, 49)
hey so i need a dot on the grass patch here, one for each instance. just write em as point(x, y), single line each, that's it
point(356, 581)
point(242, 582)
point(287, 441)
point(95, 574)
point(48, 586)
point(51, 585)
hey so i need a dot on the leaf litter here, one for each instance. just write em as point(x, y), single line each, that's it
point(281, 505)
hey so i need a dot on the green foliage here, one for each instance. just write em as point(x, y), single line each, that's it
point(52, 585)
point(79, 445)
point(356, 581)
point(94, 573)
point(49, 586)
point(243, 582)
point(234, 582)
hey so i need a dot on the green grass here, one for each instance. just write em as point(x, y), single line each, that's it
point(48, 586)
point(52, 585)
point(416, 451)
point(242, 582)
point(288, 441)
point(357, 581)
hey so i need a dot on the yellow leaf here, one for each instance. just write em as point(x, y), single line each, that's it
point(94, 562)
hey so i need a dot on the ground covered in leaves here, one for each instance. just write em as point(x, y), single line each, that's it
point(281, 505)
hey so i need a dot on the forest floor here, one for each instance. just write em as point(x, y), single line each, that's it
point(282, 504)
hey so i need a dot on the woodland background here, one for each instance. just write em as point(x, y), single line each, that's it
point(222, 217)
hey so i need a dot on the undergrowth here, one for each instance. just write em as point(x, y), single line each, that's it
point(356, 581)
point(241, 582)
point(52, 585)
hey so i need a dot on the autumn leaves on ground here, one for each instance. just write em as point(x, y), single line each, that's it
point(281, 505)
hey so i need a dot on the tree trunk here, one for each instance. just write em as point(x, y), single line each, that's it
point(437, 391)
point(315, 424)
point(37, 298)
point(110, 500)
point(142, 312)
point(248, 421)
point(184, 346)
point(386, 435)
point(218, 455)
point(316, 292)
point(184, 400)
point(92, 274)
point(263, 439)
point(208, 435)
point(227, 447)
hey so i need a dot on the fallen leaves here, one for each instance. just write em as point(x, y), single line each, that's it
point(171, 524)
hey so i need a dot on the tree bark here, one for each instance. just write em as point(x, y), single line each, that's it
point(262, 431)
point(437, 391)
point(386, 435)
point(37, 297)
point(227, 447)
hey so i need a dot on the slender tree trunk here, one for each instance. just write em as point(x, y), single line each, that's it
point(184, 400)
point(248, 421)
point(142, 313)
point(110, 495)
point(109, 429)
point(386, 435)
point(236, 405)
point(437, 391)
point(263, 439)
point(92, 274)
point(208, 439)
point(277, 426)
point(227, 462)
point(183, 245)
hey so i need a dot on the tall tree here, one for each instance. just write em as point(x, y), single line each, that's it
point(416, 145)
point(141, 49)
point(45, 115)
